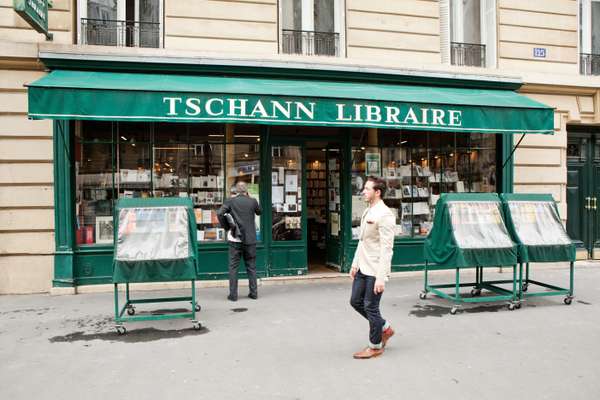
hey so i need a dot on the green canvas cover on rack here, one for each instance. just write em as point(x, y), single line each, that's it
point(534, 224)
point(469, 231)
point(155, 240)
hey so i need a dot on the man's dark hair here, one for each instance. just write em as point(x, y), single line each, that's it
point(378, 184)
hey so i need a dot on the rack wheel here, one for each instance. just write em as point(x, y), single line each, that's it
point(568, 300)
point(518, 305)
point(475, 292)
point(423, 295)
point(512, 306)
point(197, 307)
point(121, 330)
point(525, 287)
point(453, 310)
point(131, 311)
point(197, 325)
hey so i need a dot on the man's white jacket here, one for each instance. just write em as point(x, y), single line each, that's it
point(376, 242)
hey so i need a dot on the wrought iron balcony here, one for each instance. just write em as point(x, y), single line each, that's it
point(105, 32)
point(310, 43)
point(589, 64)
point(467, 54)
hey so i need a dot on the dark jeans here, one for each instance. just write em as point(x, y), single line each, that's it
point(366, 302)
point(236, 252)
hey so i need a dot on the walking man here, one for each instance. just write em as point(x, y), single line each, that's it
point(237, 217)
point(372, 265)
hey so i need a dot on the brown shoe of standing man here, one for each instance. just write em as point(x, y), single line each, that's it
point(372, 265)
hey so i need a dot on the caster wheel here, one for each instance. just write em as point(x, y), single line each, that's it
point(131, 311)
point(568, 300)
point(197, 307)
point(422, 295)
point(121, 330)
point(453, 310)
point(475, 292)
point(511, 306)
point(197, 326)
point(525, 287)
point(518, 305)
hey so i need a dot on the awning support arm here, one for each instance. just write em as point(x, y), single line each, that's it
point(513, 151)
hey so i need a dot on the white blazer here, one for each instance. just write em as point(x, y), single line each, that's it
point(373, 255)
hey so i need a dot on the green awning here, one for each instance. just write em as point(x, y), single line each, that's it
point(116, 96)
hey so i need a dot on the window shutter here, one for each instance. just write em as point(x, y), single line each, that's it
point(488, 31)
point(445, 30)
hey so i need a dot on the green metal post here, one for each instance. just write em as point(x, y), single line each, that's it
point(457, 289)
point(193, 299)
point(426, 277)
point(514, 283)
point(527, 273)
point(127, 292)
point(571, 269)
point(520, 280)
point(116, 302)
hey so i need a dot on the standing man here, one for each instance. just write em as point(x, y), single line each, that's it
point(241, 237)
point(372, 265)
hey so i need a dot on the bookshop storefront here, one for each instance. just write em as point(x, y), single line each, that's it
point(304, 147)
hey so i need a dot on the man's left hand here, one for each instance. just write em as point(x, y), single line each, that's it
point(379, 286)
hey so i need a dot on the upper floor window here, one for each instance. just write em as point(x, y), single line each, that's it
point(311, 27)
point(468, 32)
point(131, 23)
point(589, 37)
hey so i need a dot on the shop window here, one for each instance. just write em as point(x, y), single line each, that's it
point(242, 155)
point(207, 178)
point(170, 160)
point(153, 160)
point(133, 173)
point(286, 190)
point(311, 27)
point(94, 184)
point(468, 32)
point(589, 37)
point(418, 167)
point(131, 23)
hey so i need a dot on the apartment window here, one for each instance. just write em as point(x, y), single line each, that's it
point(589, 37)
point(468, 32)
point(130, 23)
point(311, 27)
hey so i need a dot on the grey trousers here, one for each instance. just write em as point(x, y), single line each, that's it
point(236, 252)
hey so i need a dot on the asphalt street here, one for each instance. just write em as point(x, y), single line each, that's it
point(296, 342)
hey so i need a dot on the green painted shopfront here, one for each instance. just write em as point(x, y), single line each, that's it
point(303, 140)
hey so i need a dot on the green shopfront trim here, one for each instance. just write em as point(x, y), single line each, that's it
point(73, 97)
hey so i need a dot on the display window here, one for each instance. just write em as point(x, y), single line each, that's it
point(418, 167)
point(144, 159)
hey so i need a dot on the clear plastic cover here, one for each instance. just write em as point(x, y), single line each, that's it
point(537, 223)
point(153, 233)
point(478, 225)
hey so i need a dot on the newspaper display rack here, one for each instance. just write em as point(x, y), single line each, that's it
point(469, 231)
point(534, 224)
point(155, 241)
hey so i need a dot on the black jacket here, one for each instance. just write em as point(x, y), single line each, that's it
point(242, 209)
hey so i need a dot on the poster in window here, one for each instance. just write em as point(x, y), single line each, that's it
point(104, 229)
point(291, 182)
point(373, 162)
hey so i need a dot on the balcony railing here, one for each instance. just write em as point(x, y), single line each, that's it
point(467, 54)
point(105, 32)
point(589, 64)
point(310, 43)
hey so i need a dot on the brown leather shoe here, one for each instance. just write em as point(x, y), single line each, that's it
point(386, 335)
point(368, 353)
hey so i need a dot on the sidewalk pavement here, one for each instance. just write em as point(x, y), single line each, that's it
point(296, 342)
